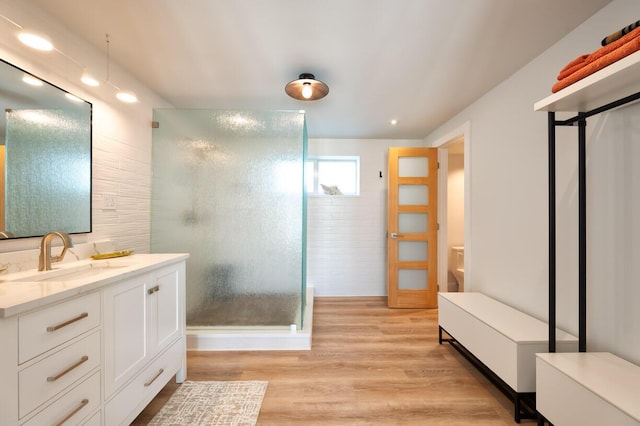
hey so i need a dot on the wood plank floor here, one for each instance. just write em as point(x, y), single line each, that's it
point(369, 365)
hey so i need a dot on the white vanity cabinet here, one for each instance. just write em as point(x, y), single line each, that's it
point(97, 351)
point(144, 344)
point(51, 363)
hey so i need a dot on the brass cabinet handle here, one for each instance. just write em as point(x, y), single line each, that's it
point(153, 289)
point(153, 379)
point(66, 323)
point(73, 412)
point(68, 369)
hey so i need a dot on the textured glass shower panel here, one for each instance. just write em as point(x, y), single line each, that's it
point(53, 143)
point(228, 189)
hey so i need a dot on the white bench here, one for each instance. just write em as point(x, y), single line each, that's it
point(588, 388)
point(504, 339)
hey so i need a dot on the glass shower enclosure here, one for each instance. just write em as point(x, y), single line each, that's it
point(228, 188)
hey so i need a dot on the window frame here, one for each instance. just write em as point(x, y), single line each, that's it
point(317, 159)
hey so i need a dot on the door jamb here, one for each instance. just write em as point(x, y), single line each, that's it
point(463, 131)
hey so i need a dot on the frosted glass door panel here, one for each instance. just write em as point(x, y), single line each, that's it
point(412, 251)
point(412, 279)
point(413, 194)
point(412, 223)
point(413, 167)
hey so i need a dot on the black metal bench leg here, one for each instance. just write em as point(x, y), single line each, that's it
point(542, 420)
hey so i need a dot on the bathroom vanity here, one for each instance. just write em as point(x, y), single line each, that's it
point(91, 342)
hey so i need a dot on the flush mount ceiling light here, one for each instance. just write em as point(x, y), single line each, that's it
point(306, 88)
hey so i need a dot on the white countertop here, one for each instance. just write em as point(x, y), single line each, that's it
point(18, 293)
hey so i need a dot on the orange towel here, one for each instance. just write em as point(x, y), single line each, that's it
point(583, 60)
point(597, 60)
point(573, 66)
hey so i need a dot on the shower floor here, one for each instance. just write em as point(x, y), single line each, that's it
point(247, 310)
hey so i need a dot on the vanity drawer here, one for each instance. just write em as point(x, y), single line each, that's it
point(128, 403)
point(49, 327)
point(74, 406)
point(46, 378)
point(95, 420)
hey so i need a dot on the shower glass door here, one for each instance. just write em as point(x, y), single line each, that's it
point(228, 188)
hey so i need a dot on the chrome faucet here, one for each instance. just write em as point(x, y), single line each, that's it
point(45, 250)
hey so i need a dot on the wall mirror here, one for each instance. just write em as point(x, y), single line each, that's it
point(45, 157)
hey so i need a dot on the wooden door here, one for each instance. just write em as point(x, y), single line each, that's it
point(412, 228)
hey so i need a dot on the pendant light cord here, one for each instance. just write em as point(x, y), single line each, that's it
point(108, 57)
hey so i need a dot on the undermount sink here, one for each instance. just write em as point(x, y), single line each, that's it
point(73, 273)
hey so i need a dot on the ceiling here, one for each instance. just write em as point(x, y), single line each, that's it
point(417, 61)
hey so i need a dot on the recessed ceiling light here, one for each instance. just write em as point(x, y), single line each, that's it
point(35, 40)
point(393, 122)
point(128, 97)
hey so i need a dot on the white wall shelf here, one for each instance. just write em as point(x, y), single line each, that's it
point(600, 88)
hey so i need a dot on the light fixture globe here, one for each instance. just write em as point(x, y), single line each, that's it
point(306, 88)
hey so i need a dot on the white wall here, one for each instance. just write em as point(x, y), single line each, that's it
point(509, 197)
point(121, 132)
point(346, 241)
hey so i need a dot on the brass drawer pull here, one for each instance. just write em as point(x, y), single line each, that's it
point(73, 413)
point(153, 289)
point(62, 373)
point(153, 379)
point(66, 323)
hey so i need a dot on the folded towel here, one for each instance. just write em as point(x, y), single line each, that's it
point(573, 66)
point(601, 61)
point(615, 36)
point(582, 61)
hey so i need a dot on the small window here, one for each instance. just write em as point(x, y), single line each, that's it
point(333, 175)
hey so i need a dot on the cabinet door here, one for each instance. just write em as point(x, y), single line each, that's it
point(165, 306)
point(125, 328)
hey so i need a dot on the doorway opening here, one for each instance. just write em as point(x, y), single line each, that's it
point(454, 211)
point(455, 215)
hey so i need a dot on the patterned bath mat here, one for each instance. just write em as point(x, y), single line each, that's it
point(213, 403)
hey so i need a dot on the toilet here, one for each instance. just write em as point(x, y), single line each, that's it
point(456, 266)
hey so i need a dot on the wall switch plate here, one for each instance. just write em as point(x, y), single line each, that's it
point(108, 201)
